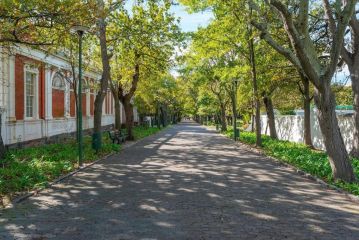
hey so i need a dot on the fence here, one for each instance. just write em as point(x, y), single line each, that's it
point(291, 128)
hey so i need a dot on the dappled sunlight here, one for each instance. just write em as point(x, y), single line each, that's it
point(185, 183)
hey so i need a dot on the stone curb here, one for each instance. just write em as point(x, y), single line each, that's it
point(61, 178)
point(56, 181)
point(350, 196)
point(259, 151)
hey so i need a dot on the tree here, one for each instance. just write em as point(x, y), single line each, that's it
point(304, 57)
point(103, 18)
point(38, 23)
point(307, 57)
point(350, 55)
point(143, 43)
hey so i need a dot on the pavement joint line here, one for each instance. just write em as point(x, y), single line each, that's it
point(22, 198)
point(298, 171)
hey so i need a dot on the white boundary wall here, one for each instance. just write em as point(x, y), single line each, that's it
point(291, 128)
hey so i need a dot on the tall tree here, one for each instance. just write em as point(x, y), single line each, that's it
point(143, 41)
point(102, 19)
point(38, 23)
point(305, 57)
point(350, 55)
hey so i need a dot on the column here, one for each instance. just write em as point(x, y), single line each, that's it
point(48, 93)
point(67, 99)
point(11, 89)
point(88, 103)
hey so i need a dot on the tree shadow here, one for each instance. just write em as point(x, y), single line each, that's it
point(184, 183)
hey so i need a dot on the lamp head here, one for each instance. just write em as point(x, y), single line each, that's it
point(79, 29)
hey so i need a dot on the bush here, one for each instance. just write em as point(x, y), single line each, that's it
point(141, 132)
point(299, 155)
point(30, 168)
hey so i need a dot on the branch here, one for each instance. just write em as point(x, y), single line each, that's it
point(329, 14)
point(303, 16)
point(274, 44)
point(338, 38)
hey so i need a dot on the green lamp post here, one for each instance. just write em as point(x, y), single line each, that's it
point(80, 30)
point(236, 131)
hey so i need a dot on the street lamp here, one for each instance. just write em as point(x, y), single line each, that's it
point(80, 30)
point(236, 131)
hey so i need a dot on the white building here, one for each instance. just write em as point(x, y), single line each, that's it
point(39, 100)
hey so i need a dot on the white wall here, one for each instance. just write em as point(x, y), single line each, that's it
point(21, 131)
point(291, 128)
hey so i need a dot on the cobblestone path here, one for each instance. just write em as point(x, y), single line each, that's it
point(184, 183)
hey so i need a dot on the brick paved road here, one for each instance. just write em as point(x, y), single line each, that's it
point(185, 183)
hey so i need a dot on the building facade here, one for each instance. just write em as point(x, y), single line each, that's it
point(38, 96)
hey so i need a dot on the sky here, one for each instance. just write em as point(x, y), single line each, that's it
point(190, 22)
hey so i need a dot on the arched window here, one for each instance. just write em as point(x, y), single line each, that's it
point(58, 82)
point(58, 96)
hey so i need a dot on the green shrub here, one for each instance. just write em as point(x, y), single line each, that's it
point(29, 168)
point(141, 132)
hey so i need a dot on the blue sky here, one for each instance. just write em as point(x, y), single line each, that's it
point(190, 22)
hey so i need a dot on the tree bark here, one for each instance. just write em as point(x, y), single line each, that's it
point(255, 93)
point(355, 87)
point(306, 106)
point(106, 77)
point(129, 118)
point(307, 125)
point(2, 145)
point(116, 98)
point(223, 118)
point(117, 114)
point(337, 153)
point(270, 115)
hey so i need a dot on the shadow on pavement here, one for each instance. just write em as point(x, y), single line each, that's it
point(184, 183)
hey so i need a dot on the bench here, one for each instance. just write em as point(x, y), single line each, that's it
point(118, 136)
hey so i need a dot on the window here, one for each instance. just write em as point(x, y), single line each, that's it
point(58, 82)
point(30, 84)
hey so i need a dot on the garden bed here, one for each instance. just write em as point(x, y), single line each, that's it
point(24, 170)
point(300, 156)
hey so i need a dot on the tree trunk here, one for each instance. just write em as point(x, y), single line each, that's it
point(223, 118)
point(2, 145)
point(97, 119)
point(106, 77)
point(306, 105)
point(270, 115)
point(115, 94)
point(117, 114)
point(129, 118)
point(354, 72)
point(334, 144)
point(255, 92)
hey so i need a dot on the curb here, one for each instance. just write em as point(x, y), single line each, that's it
point(68, 175)
point(56, 181)
point(308, 176)
point(350, 196)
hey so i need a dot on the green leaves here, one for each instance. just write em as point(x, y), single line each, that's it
point(33, 167)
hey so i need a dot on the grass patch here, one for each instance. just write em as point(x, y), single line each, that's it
point(299, 155)
point(30, 168)
point(141, 132)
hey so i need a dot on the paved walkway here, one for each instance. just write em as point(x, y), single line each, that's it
point(185, 183)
